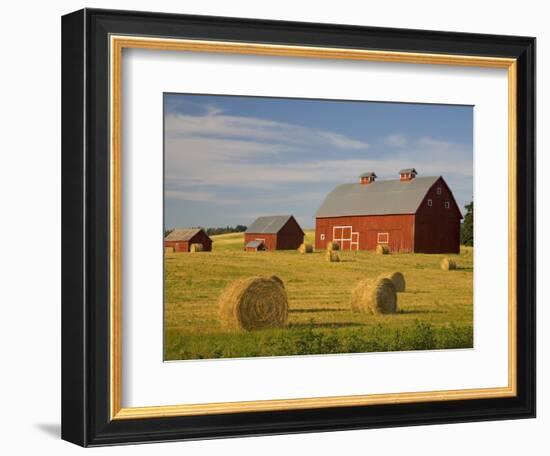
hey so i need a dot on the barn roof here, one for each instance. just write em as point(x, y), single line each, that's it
point(182, 234)
point(379, 198)
point(269, 224)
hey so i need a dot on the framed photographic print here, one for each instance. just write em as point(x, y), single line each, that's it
point(277, 227)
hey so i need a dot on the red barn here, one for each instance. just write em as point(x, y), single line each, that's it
point(182, 238)
point(276, 232)
point(409, 214)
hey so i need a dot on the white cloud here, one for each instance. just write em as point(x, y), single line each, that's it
point(189, 193)
point(342, 141)
point(218, 162)
point(395, 140)
point(216, 149)
point(215, 124)
point(258, 159)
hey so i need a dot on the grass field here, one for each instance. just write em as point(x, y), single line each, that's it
point(435, 312)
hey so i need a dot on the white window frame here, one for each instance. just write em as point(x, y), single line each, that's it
point(353, 245)
point(387, 241)
point(447, 204)
point(430, 202)
point(439, 191)
point(322, 236)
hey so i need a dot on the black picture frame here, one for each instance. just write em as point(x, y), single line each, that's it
point(85, 227)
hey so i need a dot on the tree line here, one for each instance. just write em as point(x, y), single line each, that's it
point(216, 230)
point(467, 227)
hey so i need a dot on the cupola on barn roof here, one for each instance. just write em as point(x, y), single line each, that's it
point(368, 174)
point(408, 171)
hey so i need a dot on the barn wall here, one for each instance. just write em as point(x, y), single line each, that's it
point(201, 238)
point(270, 240)
point(179, 246)
point(437, 229)
point(290, 236)
point(400, 229)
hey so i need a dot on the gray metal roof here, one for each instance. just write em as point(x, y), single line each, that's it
point(408, 171)
point(254, 244)
point(379, 198)
point(269, 224)
point(368, 174)
point(182, 234)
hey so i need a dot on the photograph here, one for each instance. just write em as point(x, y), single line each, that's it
point(286, 224)
point(316, 226)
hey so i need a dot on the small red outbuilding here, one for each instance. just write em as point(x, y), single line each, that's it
point(276, 232)
point(254, 246)
point(181, 239)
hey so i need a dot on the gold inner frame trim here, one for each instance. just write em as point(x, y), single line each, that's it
point(117, 44)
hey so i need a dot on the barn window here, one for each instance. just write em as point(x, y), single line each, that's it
point(429, 202)
point(439, 190)
point(383, 238)
point(447, 205)
point(322, 237)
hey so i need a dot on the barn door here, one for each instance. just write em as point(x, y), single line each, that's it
point(354, 244)
point(345, 237)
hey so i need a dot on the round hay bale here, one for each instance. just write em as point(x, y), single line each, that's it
point(278, 280)
point(333, 256)
point(357, 295)
point(447, 264)
point(398, 280)
point(254, 303)
point(196, 248)
point(333, 246)
point(305, 248)
point(382, 249)
point(376, 296)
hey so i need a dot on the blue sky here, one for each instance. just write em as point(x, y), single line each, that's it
point(230, 159)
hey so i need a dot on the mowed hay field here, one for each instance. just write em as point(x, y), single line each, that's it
point(435, 311)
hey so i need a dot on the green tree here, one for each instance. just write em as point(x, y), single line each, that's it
point(467, 227)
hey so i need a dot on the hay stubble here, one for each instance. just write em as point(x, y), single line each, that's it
point(448, 264)
point(317, 290)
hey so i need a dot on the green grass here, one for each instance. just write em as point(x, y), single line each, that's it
point(435, 312)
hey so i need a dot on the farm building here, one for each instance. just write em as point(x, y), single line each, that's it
point(254, 246)
point(409, 214)
point(181, 239)
point(276, 232)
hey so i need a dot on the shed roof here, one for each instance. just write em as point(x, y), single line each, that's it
point(183, 234)
point(368, 174)
point(379, 198)
point(269, 224)
point(254, 244)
